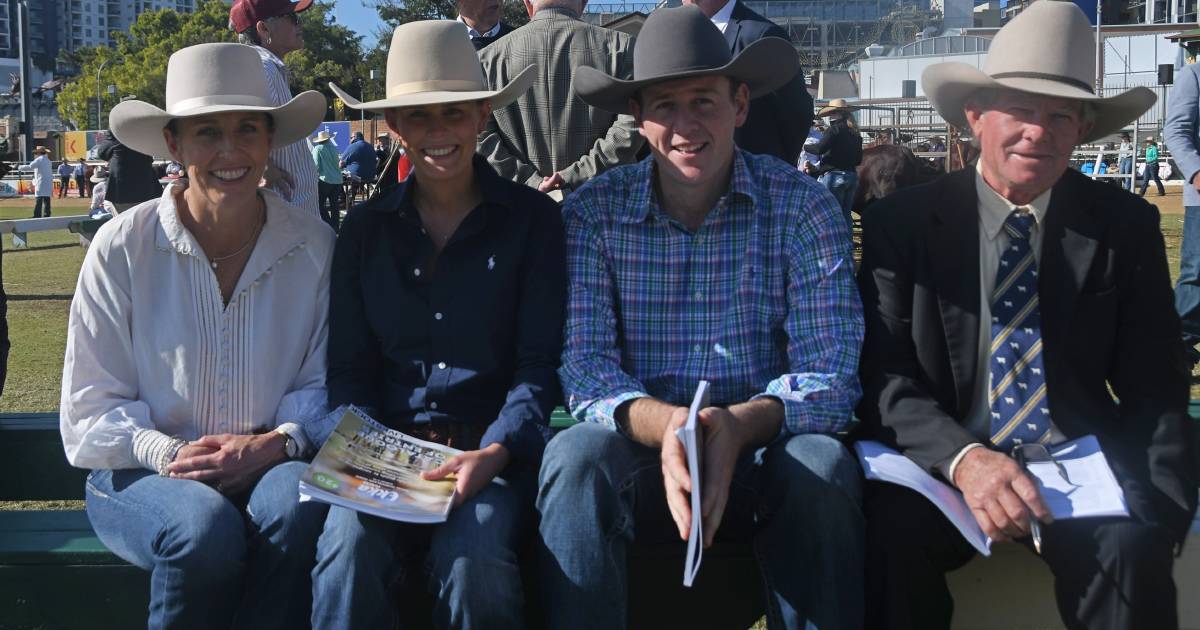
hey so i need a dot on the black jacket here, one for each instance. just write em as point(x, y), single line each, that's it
point(131, 177)
point(481, 42)
point(1108, 319)
point(840, 148)
point(778, 123)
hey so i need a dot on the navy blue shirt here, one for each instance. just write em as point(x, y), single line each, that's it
point(359, 160)
point(477, 340)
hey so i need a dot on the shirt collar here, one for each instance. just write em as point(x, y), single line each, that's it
point(476, 34)
point(269, 56)
point(552, 12)
point(491, 186)
point(721, 18)
point(641, 196)
point(994, 209)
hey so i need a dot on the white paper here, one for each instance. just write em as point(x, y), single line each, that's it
point(1093, 490)
point(691, 434)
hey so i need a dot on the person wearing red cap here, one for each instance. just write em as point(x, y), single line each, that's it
point(272, 27)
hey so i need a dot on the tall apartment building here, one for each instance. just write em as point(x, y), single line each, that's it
point(56, 25)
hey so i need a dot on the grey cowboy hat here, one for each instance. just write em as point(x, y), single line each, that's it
point(681, 43)
point(431, 62)
point(210, 79)
point(1048, 49)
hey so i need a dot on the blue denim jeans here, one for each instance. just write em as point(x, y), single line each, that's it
point(1149, 172)
point(798, 502)
point(214, 561)
point(1125, 167)
point(471, 563)
point(841, 185)
point(1187, 288)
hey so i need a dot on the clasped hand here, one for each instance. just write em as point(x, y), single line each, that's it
point(723, 444)
point(472, 470)
point(229, 463)
point(1000, 494)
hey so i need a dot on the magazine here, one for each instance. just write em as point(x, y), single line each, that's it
point(691, 434)
point(368, 467)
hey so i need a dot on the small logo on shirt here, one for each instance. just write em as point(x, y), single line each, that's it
point(491, 262)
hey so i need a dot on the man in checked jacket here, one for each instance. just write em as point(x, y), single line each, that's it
point(550, 139)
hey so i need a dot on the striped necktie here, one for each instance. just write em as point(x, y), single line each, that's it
point(1020, 412)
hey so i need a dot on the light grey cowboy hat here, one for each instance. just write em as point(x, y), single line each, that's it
point(432, 62)
point(681, 43)
point(1048, 49)
point(214, 79)
point(323, 136)
point(836, 105)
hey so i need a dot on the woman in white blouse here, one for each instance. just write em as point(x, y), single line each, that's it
point(195, 356)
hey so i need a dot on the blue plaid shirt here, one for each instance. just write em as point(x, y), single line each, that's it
point(760, 301)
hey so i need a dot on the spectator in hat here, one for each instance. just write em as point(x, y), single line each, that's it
point(445, 319)
point(1125, 160)
point(841, 151)
point(43, 181)
point(272, 27)
point(80, 174)
point(1011, 308)
point(64, 178)
point(99, 180)
point(383, 148)
point(704, 262)
point(1150, 169)
point(329, 173)
point(195, 361)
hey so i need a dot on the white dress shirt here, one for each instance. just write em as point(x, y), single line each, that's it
point(295, 158)
point(721, 18)
point(153, 352)
point(43, 176)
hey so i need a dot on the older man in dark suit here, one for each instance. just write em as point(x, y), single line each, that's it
point(778, 122)
point(1022, 303)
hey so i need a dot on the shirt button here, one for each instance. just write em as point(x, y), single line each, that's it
point(442, 365)
point(417, 272)
point(699, 295)
point(433, 405)
point(697, 348)
point(437, 316)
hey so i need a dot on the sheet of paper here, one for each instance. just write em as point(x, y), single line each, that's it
point(691, 434)
point(1092, 491)
point(884, 464)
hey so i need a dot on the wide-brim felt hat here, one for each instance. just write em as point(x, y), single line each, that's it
point(323, 136)
point(214, 79)
point(41, 150)
point(682, 43)
point(98, 176)
point(836, 105)
point(432, 62)
point(1048, 49)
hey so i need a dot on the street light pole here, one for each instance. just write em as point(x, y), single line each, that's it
point(98, 95)
point(26, 76)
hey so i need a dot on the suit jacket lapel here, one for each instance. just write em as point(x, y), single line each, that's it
point(1072, 232)
point(953, 243)
point(731, 29)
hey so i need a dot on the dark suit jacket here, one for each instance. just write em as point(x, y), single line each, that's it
point(1108, 319)
point(778, 123)
point(481, 42)
point(131, 177)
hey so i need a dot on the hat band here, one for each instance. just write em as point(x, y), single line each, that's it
point(180, 108)
point(416, 87)
point(1048, 77)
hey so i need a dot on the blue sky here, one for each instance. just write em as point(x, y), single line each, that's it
point(361, 19)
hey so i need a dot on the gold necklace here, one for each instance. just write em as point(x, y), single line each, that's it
point(214, 261)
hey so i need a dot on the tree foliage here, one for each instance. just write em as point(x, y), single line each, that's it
point(397, 12)
point(137, 64)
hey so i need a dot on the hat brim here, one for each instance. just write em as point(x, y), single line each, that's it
point(139, 125)
point(499, 98)
point(763, 66)
point(949, 85)
point(825, 111)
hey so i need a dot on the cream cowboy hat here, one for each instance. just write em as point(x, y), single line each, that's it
point(1048, 49)
point(680, 43)
point(41, 150)
point(433, 62)
point(323, 136)
point(213, 79)
point(836, 105)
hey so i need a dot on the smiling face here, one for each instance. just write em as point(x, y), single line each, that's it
point(689, 125)
point(224, 155)
point(1025, 140)
point(440, 139)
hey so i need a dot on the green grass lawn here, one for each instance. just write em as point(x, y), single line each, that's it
point(40, 281)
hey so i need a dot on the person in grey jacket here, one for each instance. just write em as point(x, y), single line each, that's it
point(1182, 135)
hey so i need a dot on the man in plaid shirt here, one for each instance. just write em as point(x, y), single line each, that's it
point(549, 139)
point(705, 262)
